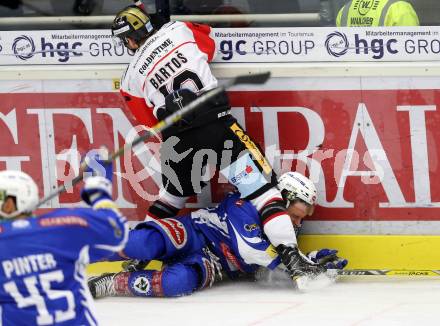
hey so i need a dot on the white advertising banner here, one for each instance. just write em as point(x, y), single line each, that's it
point(328, 44)
point(318, 44)
point(60, 47)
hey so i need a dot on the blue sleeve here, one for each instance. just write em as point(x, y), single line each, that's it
point(239, 209)
point(106, 231)
point(247, 237)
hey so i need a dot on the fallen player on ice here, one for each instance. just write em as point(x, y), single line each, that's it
point(196, 249)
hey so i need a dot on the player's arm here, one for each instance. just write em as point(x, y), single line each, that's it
point(140, 110)
point(108, 229)
point(136, 102)
point(325, 257)
point(203, 38)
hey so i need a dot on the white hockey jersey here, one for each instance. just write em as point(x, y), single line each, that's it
point(174, 57)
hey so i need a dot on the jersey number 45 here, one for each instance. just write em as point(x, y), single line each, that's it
point(36, 299)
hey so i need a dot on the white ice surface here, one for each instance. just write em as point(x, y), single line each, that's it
point(352, 301)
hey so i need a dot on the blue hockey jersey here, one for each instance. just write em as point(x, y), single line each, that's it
point(233, 232)
point(43, 260)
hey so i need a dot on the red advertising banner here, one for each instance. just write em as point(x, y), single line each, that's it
point(372, 153)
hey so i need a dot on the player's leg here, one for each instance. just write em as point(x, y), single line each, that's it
point(173, 280)
point(182, 159)
point(163, 239)
point(176, 164)
point(192, 273)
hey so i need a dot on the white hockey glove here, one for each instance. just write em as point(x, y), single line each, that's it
point(96, 189)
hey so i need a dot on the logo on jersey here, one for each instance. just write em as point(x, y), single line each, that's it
point(63, 220)
point(230, 257)
point(364, 6)
point(336, 44)
point(20, 224)
point(175, 231)
point(141, 284)
point(23, 47)
point(209, 273)
point(251, 227)
point(158, 52)
point(243, 174)
point(177, 99)
point(253, 149)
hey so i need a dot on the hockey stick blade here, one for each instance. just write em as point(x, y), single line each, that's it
point(387, 272)
point(259, 78)
point(253, 79)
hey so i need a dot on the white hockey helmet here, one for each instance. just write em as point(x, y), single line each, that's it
point(295, 186)
point(22, 188)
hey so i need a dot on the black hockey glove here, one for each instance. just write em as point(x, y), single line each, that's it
point(297, 264)
point(134, 265)
point(176, 101)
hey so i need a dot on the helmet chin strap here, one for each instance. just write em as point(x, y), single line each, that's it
point(311, 210)
point(297, 229)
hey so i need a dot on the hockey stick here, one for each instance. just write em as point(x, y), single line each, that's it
point(162, 125)
point(387, 272)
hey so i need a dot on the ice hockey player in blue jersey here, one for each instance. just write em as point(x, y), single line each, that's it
point(197, 247)
point(43, 258)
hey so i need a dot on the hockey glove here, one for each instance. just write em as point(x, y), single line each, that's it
point(134, 265)
point(99, 185)
point(176, 101)
point(327, 258)
point(296, 263)
point(96, 189)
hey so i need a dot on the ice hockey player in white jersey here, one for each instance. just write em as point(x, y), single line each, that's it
point(197, 247)
point(43, 258)
point(169, 69)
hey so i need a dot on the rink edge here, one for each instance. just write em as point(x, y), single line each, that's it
point(362, 251)
point(412, 252)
